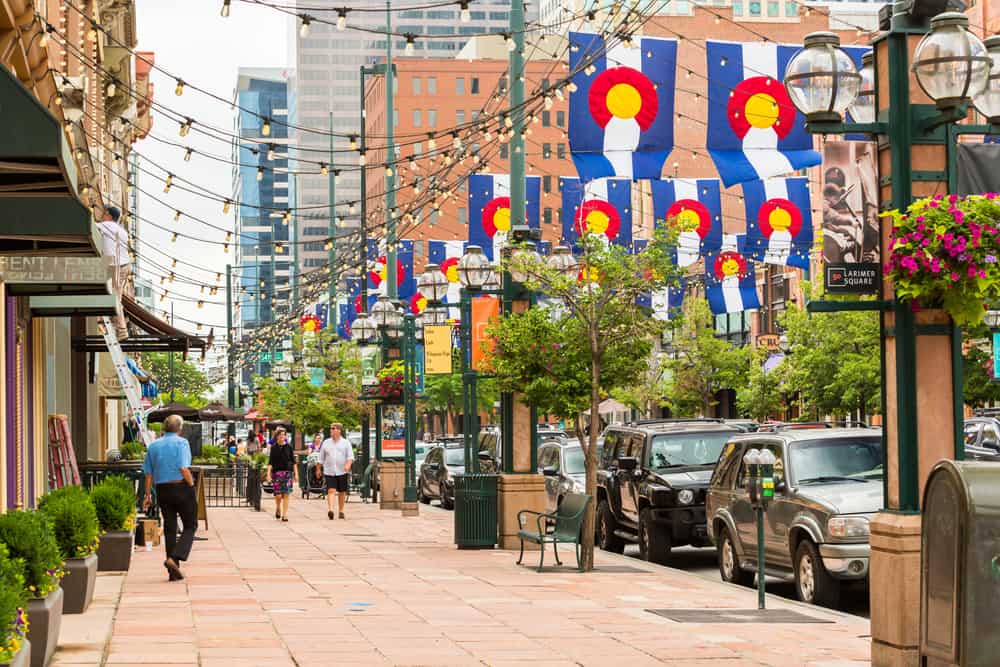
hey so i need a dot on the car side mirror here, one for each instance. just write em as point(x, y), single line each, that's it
point(549, 471)
point(780, 486)
point(628, 463)
point(992, 443)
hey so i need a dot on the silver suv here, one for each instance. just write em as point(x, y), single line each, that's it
point(828, 485)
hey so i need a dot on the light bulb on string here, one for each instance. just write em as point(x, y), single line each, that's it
point(464, 14)
point(304, 28)
point(179, 88)
point(177, 216)
point(336, 177)
point(92, 33)
point(508, 39)
point(408, 49)
point(342, 18)
point(168, 182)
point(323, 169)
point(224, 13)
point(354, 143)
point(111, 89)
point(185, 127)
point(362, 159)
point(270, 152)
point(260, 173)
point(187, 154)
point(173, 238)
point(571, 87)
point(265, 128)
point(225, 209)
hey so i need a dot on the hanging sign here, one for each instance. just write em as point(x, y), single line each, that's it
point(484, 310)
point(369, 365)
point(437, 349)
point(316, 377)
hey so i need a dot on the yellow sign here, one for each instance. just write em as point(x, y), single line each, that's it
point(437, 349)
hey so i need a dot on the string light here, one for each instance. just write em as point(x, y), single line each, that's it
point(168, 182)
point(304, 28)
point(111, 89)
point(185, 127)
point(260, 173)
point(409, 49)
point(354, 142)
point(342, 18)
point(265, 128)
point(187, 155)
point(270, 152)
point(388, 170)
point(177, 215)
point(92, 33)
point(173, 239)
point(336, 177)
point(225, 209)
point(508, 39)
point(323, 169)
point(464, 14)
point(179, 88)
point(362, 159)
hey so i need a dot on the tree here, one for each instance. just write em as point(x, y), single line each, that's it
point(649, 389)
point(442, 394)
point(309, 407)
point(702, 364)
point(762, 395)
point(186, 380)
point(565, 359)
point(977, 370)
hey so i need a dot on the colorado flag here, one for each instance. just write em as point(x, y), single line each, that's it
point(695, 206)
point(730, 283)
point(754, 130)
point(779, 221)
point(602, 206)
point(621, 116)
point(664, 300)
point(489, 210)
point(347, 317)
point(406, 283)
point(446, 254)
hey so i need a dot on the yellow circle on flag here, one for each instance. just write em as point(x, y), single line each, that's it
point(623, 100)
point(501, 219)
point(761, 110)
point(452, 273)
point(688, 220)
point(780, 220)
point(730, 267)
point(597, 222)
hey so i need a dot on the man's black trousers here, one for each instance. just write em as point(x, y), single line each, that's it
point(178, 500)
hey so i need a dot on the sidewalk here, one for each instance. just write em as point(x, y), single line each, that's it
point(380, 589)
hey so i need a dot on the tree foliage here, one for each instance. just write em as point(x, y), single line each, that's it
point(702, 365)
point(565, 359)
point(185, 380)
point(762, 396)
point(977, 370)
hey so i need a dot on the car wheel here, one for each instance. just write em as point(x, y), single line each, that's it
point(447, 502)
point(729, 562)
point(606, 526)
point(421, 496)
point(813, 583)
point(654, 542)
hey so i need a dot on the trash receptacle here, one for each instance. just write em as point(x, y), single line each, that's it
point(475, 511)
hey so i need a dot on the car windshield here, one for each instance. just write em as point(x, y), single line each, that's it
point(837, 460)
point(454, 456)
point(686, 449)
point(575, 464)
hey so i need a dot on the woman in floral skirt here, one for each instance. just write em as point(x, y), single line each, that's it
point(282, 473)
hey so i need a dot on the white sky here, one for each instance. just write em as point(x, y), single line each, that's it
point(192, 41)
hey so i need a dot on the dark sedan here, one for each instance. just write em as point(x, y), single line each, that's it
point(437, 475)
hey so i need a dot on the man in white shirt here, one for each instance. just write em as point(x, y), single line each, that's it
point(336, 456)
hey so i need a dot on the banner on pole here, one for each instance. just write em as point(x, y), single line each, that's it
point(317, 376)
point(437, 349)
point(369, 365)
point(484, 310)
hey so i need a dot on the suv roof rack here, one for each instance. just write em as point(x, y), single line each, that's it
point(794, 426)
point(986, 412)
point(677, 420)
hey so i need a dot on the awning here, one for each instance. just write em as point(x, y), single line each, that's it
point(158, 336)
point(773, 361)
point(41, 212)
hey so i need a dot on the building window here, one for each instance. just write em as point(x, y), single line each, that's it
point(504, 151)
point(546, 183)
point(546, 119)
point(416, 118)
point(460, 85)
point(460, 117)
point(560, 119)
point(547, 216)
point(754, 8)
point(463, 215)
point(474, 85)
point(545, 84)
point(561, 151)
point(791, 8)
point(432, 118)
point(395, 117)
point(435, 214)
point(773, 9)
point(546, 151)
point(502, 86)
point(417, 148)
point(432, 85)
point(737, 7)
point(417, 85)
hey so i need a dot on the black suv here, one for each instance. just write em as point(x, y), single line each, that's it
point(651, 484)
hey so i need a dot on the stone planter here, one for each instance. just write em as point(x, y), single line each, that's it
point(78, 584)
point(114, 554)
point(22, 658)
point(44, 620)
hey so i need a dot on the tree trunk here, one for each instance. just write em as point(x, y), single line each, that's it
point(590, 459)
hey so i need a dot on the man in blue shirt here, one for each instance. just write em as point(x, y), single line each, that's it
point(168, 465)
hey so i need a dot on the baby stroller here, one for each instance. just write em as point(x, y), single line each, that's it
point(311, 484)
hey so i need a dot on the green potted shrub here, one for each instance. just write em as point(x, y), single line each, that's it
point(114, 501)
point(74, 520)
point(15, 649)
point(132, 451)
point(31, 542)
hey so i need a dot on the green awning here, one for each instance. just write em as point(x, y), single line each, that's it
point(68, 305)
point(41, 214)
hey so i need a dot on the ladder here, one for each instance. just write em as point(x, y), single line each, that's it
point(130, 385)
point(63, 470)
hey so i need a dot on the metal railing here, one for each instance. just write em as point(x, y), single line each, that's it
point(234, 485)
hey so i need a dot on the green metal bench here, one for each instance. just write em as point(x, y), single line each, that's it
point(565, 523)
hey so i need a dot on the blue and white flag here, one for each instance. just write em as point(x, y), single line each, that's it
point(754, 130)
point(664, 300)
point(322, 314)
point(406, 282)
point(730, 282)
point(779, 221)
point(621, 116)
point(695, 206)
point(602, 206)
point(446, 254)
point(489, 210)
point(346, 321)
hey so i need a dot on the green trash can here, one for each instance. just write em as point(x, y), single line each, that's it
point(475, 511)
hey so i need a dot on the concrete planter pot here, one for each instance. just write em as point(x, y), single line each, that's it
point(78, 584)
point(22, 658)
point(114, 554)
point(44, 621)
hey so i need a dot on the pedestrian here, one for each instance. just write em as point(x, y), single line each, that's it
point(168, 465)
point(336, 456)
point(281, 472)
point(313, 465)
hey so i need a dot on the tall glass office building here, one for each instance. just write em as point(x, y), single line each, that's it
point(261, 276)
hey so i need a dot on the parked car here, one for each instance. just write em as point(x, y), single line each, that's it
point(490, 449)
point(437, 475)
point(982, 439)
point(827, 486)
point(564, 469)
point(651, 484)
point(745, 425)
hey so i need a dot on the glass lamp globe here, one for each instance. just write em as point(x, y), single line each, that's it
point(384, 313)
point(364, 328)
point(951, 64)
point(395, 319)
point(436, 315)
point(432, 283)
point(821, 79)
point(988, 101)
point(418, 326)
point(492, 283)
point(522, 257)
point(473, 268)
point(563, 261)
point(863, 108)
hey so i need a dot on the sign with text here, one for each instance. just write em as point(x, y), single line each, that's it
point(852, 278)
point(484, 310)
point(317, 377)
point(369, 365)
point(769, 341)
point(393, 447)
point(437, 349)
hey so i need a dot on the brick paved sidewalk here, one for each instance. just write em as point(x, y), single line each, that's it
point(378, 589)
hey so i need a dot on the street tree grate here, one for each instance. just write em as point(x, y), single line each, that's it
point(736, 616)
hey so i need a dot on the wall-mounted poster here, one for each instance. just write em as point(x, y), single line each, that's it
point(850, 218)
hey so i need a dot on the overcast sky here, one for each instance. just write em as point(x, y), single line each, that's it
point(192, 41)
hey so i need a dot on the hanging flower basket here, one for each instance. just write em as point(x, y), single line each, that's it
point(943, 253)
point(389, 389)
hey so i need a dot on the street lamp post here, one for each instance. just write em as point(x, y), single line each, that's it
point(913, 111)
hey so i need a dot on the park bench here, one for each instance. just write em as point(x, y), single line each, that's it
point(563, 526)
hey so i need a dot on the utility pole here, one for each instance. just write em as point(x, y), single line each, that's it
point(331, 314)
point(364, 204)
point(293, 251)
point(230, 380)
point(390, 156)
point(273, 290)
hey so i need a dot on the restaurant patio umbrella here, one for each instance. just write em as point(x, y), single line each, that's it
point(186, 412)
point(214, 412)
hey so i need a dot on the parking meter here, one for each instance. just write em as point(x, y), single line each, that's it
point(760, 487)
